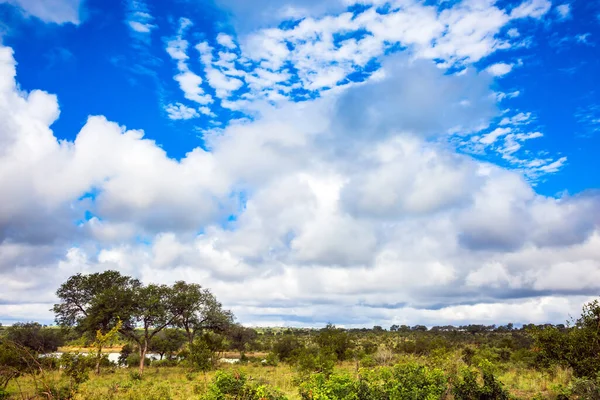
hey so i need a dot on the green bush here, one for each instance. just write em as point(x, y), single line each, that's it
point(271, 360)
point(467, 387)
point(334, 387)
point(368, 362)
point(405, 381)
point(63, 392)
point(201, 357)
point(133, 360)
point(135, 376)
point(235, 386)
point(4, 394)
point(588, 389)
point(167, 362)
point(77, 367)
point(287, 348)
point(126, 351)
point(401, 382)
point(311, 360)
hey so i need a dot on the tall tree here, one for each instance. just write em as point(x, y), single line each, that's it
point(153, 311)
point(96, 302)
point(197, 309)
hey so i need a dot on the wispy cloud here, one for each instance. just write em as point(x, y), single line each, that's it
point(139, 19)
point(563, 11)
point(588, 118)
point(179, 111)
point(56, 11)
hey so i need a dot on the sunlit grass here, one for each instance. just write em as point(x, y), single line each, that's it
point(180, 383)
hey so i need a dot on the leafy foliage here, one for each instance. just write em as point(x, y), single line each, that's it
point(227, 385)
point(405, 381)
point(35, 337)
point(467, 387)
point(576, 347)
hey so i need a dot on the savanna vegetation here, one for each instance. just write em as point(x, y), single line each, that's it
point(178, 342)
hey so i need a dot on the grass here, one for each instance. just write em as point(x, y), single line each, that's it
point(164, 383)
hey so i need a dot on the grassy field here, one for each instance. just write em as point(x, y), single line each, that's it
point(163, 383)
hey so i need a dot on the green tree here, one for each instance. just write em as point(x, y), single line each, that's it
point(287, 347)
point(577, 346)
point(167, 342)
point(152, 311)
point(336, 341)
point(197, 309)
point(103, 339)
point(240, 337)
point(96, 302)
point(13, 362)
point(35, 337)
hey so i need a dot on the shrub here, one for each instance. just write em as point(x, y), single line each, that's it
point(77, 367)
point(287, 348)
point(586, 389)
point(135, 376)
point(402, 382)
point(167, 362)
point(467, 387)
point(336, 341)
point(312, 360)
point(323, 387)
point(201, 357)
point(60, 392)
point(406, 381)
point(133, 360)
point(368, 362)
point(271, 360)
point(126, 351)
point(227, 385)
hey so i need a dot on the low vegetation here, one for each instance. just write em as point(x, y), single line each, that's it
point(177, 342)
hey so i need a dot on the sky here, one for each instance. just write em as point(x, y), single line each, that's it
point(359, 162)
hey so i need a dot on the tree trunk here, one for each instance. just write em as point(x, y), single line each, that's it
point(190, 335)
point(98, 358)
point(143, 350)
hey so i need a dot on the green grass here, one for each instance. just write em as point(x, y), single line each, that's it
point(164, 383)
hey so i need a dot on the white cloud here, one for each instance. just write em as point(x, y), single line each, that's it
point(531, 8)
point(139, 18)
point(51, 11)
point(583, 38)
point(226, 41)
point(500, 69)
point(180, 111)
point(189, 82)
point(491, 137)
point(564, 11)
point(351, 207)
point(311, 55)
point(513, 32)
point(517, 119)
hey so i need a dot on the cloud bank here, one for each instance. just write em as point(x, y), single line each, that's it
point(353, 206)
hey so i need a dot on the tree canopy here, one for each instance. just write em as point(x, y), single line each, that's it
point(100, 302)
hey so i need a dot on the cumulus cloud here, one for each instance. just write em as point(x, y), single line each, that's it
point(500, 69)
point(351, 207)
point(249, 16)
point(416, 97)
point(181, 111)
point(52, 11)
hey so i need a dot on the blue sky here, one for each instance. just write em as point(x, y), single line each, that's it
point(308, 150)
